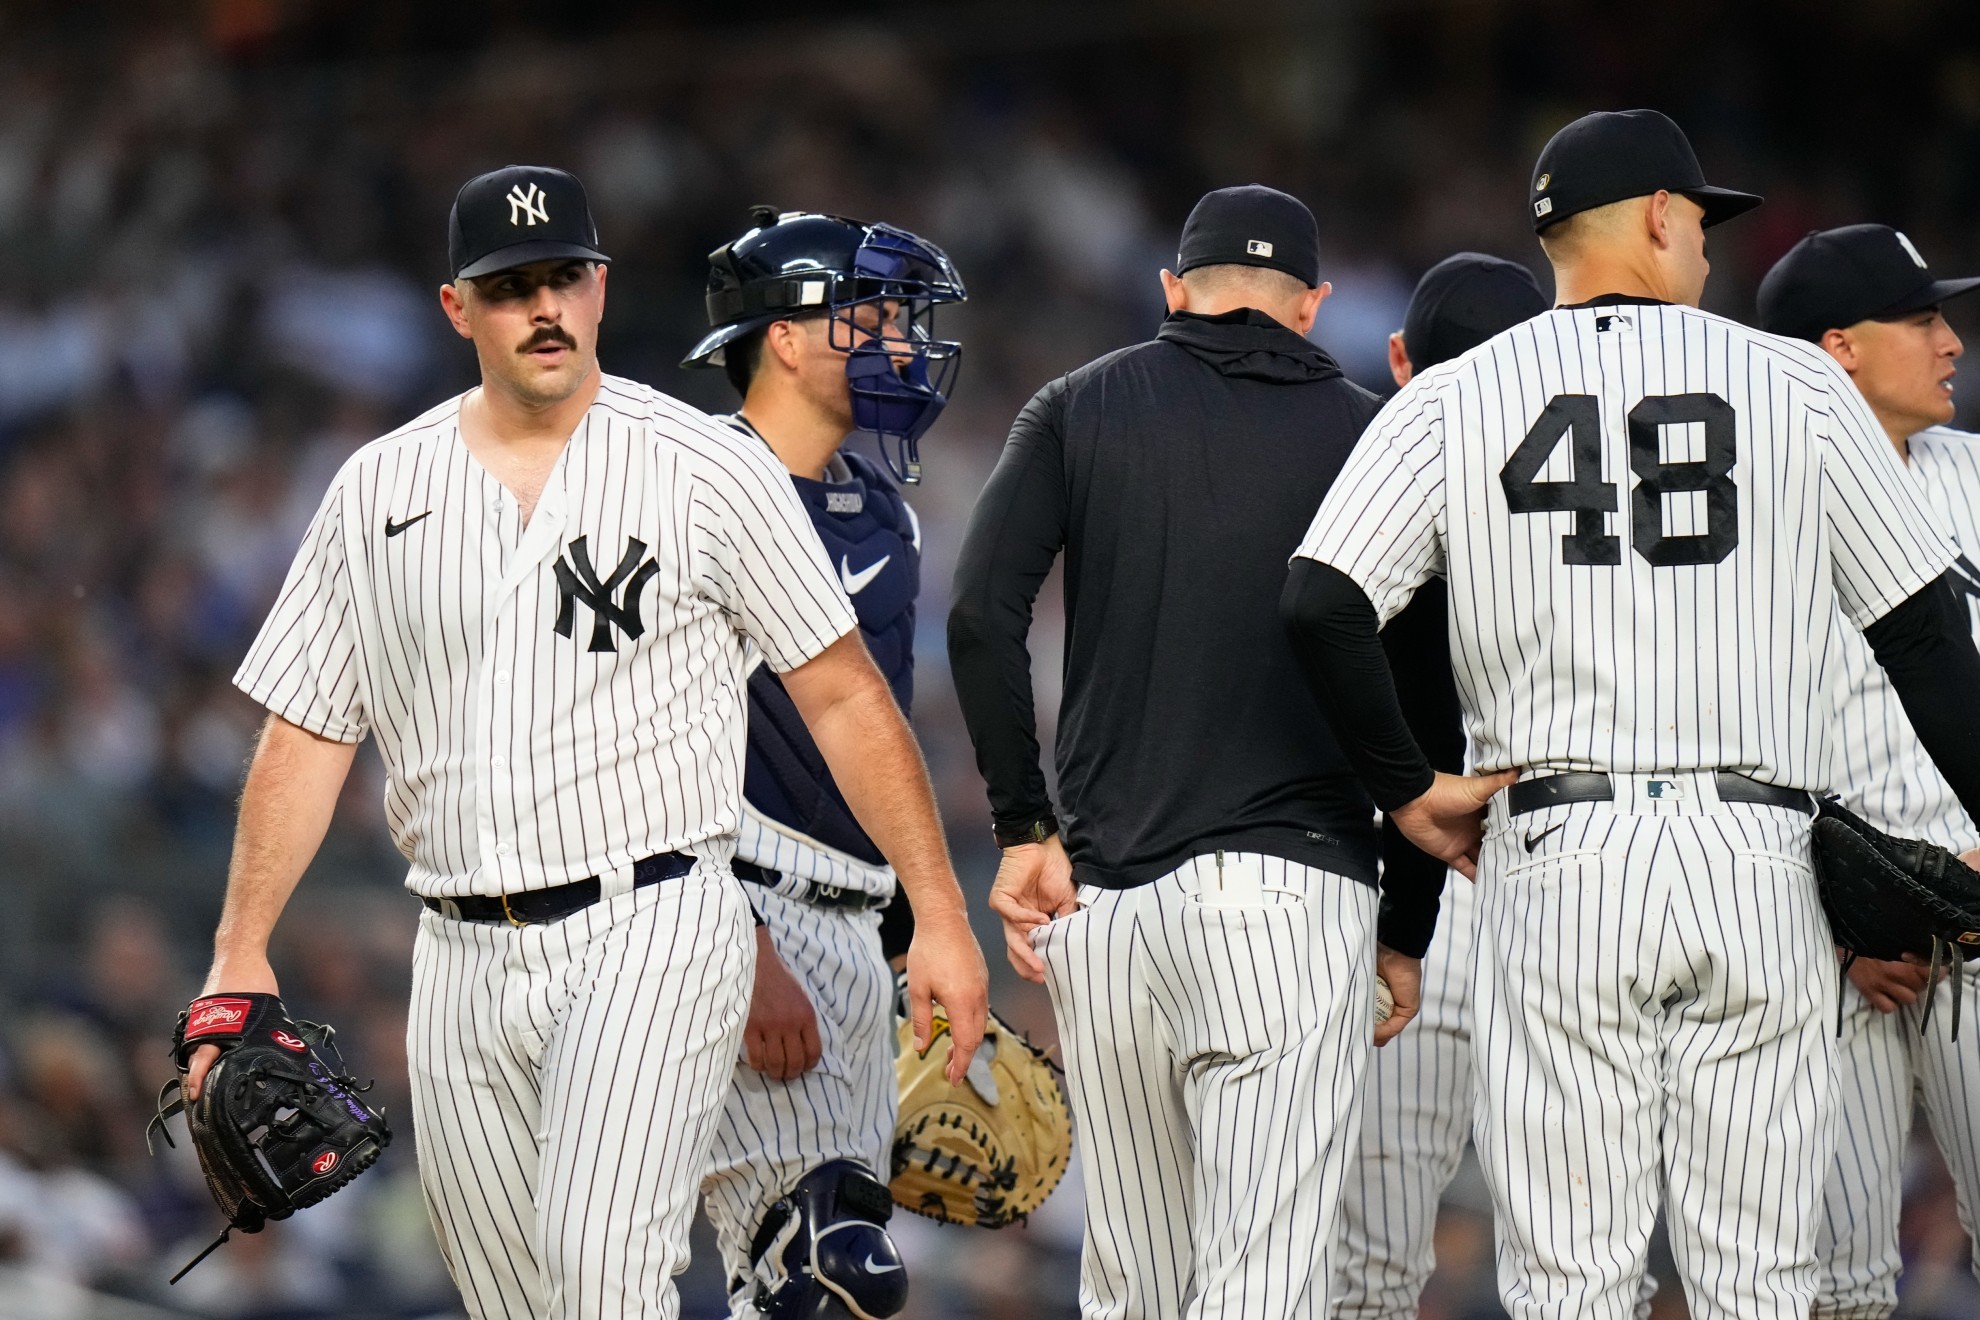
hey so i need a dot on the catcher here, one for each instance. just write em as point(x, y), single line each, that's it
point(278, 1124)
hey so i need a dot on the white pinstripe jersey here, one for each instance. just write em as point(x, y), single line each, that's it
point(559, 700)
point(1648, 515)
point(1882, 771)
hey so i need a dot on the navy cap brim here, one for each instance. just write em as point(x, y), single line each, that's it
point(1929, 295)
point(523, 254)
point(1721, 204)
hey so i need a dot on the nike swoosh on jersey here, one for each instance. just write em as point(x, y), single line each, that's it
point(1532, 841)
point(871, 1268)
point(854, 583)
point(393, 529)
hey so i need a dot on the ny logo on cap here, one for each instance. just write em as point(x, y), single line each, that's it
point(1258, 247)
point(1911, 251)
point(528, 207)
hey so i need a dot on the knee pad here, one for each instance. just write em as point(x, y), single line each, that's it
point(823, 1252)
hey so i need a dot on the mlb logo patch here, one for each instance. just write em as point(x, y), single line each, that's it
point(1544, 206)
point(1258, 247)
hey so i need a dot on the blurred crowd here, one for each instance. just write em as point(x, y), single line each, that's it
point(221, 229)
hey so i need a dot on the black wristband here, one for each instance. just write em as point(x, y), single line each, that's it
point(1031, 831)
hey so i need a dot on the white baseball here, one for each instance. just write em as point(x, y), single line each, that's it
point(1385, 1000)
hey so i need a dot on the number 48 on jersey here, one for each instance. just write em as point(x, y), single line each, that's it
point(1577, 418)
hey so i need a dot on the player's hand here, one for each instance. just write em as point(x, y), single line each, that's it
point(1971, 857)
point(1034, 884)
point(1405, 977)
point(1889, 986)
point(245, 976)
point(945, 966)
point(1449, 821)
point(780, 1039)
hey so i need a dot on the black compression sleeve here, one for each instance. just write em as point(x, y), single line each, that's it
point(1015, 533)
point(1926, 646)
point(1336, 638)
point(896, 927)
point(1417, 642)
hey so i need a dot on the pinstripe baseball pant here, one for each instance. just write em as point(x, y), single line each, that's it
point(1884, 1067)
point(566, 1082)
point(1216, 1026)
point(1416, 1118)
point(1415, 1121)
point(1654, 1005)
point(771, 1132)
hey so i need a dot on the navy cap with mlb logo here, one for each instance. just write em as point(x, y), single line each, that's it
point(1834, 278)
point(1614, 155)
point(1251, 225)
point(519, 214)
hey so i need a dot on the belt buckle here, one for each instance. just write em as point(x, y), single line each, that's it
point(829, 893)
point(514, 920)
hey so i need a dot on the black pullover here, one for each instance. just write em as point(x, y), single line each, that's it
point(1177, 476)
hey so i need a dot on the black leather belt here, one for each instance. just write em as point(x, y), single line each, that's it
point(831, 896)
point(539, 906)
point(1593, 786)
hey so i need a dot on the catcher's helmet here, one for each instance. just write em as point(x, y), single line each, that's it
point(801, 263)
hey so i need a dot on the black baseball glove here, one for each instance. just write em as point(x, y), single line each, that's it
point(278, 1124)
point(1888, 897)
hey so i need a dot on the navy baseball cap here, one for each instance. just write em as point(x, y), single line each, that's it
point(1464, 300)
point(1617, 154)
point(1252, 225)
point(519, 214)
point(1836, 277)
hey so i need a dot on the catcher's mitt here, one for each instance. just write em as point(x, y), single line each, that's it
point(987, 1152)
point(1888, 897)
point(278, 1124)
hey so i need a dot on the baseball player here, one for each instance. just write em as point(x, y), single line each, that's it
point(1864, 293)
point(538, 595)
point(1209, 926)
point(1416, 1115)
point(1648, 516)
point(803, 308)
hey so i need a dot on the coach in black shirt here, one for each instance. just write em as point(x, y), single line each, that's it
point(1203, 905)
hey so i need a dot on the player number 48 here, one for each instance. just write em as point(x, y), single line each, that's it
point(1578, 419)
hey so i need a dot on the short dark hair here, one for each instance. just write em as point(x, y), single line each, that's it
point(740, 357)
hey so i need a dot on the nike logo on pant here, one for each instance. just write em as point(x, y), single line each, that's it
point(854, 583)
point(1533, 840)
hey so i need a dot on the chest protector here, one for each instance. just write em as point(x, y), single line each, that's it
point(873, 543)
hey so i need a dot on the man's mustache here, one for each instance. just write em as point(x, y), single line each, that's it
point(549, 334)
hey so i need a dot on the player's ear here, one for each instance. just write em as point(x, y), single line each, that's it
point(453, 301)
point(1657, 218)
point(1842, 347)
point(1399, 366)
point(782, 340)
point(1308, 306)
point(1175, 292)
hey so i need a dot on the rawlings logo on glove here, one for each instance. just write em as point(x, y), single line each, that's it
point(278, 1125)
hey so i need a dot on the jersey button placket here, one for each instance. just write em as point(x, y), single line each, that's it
point(492, 695)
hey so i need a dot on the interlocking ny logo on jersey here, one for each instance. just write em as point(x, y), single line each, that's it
point(528, 207)
point(578, 581)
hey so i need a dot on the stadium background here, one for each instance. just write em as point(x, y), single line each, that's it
point(221, 226)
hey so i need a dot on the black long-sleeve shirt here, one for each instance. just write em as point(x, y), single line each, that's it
point(1177, 476)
